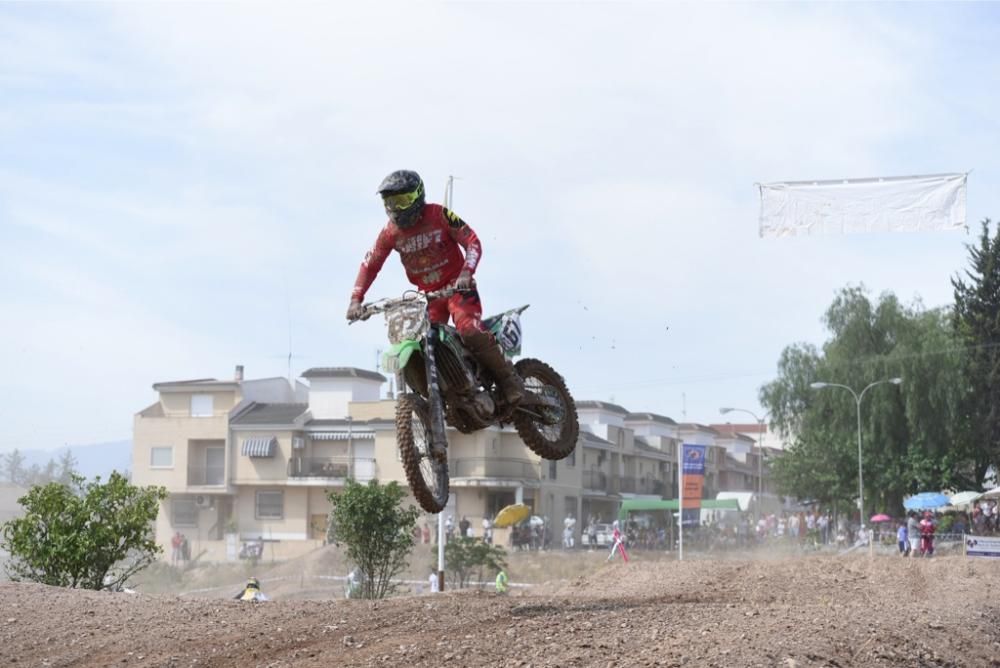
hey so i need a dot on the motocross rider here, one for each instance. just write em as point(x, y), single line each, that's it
point(430, 240)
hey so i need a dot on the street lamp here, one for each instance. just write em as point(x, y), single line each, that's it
point(760, 453)
point(857, 400)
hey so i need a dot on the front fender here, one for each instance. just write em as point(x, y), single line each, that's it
point(398, 356)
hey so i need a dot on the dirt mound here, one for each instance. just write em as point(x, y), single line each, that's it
point(815, 611)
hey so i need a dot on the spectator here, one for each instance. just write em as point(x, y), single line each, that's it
point(902, 540)
point(463, 527)
point(592, 533)
point(433, 580)
point(427, 533)
point(185, 548)
point(913, 533)
point(501, 582)
point(487, 531)
point(449, 528)
point(927, 535)
point(176, 543)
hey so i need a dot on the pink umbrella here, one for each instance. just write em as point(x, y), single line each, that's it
point(881, 517)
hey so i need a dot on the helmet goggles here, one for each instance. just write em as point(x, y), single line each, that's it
point(400, 201)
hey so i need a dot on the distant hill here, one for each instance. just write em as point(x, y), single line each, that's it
point(92, 460)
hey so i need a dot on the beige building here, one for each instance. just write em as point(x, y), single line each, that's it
point(253, 460)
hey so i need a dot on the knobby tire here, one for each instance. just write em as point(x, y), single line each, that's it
point(431, 495)
point(540, 437)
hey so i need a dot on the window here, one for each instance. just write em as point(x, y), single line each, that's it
point(571, 460)
point(270, 505)
point(201, 405)
point(552, 470)
point(183, 513)
point(161, 457)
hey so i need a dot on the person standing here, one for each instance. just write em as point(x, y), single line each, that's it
point(487, 531)
point(927, 534)
point(913, 533)
point(902, 540)
point(175, 547)
point(432, 579)
point(463, 527)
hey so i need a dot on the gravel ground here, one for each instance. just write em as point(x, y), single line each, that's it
point(808, 611)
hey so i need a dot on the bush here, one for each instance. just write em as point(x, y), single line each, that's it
point(91, 536)
point(465, 557)
point(376, 530)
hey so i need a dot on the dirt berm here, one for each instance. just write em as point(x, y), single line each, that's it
point(808, 611)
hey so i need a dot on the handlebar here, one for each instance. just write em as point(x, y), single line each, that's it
point(383, 305)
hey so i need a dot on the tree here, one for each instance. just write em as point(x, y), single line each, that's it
point(87, 535)
point(377, 531)
point(13, 467)
point(977, 325)
point(466, 556)
point(908, 431)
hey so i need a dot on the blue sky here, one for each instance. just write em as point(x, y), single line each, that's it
point(185, 186)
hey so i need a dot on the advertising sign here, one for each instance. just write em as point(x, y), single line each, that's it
point(982, 546)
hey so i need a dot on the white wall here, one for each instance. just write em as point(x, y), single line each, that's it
point(329, 397)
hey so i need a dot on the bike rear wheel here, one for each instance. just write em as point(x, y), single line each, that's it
point(426, 473)
point(549, 425)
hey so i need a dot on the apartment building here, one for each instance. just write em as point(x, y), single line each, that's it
point(248, 460)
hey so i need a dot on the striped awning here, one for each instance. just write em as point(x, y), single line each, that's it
point(340, 435)
point(260, 446)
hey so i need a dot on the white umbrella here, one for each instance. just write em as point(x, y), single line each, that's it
point(992, 494)
point(964, 498)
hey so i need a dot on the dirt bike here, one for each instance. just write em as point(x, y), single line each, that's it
point(450, 387)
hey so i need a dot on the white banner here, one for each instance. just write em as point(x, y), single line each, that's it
point(982, 546)
point(888, 204)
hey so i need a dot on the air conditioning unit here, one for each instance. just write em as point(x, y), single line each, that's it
point(203, 501)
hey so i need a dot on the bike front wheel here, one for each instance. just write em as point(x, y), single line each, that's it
point(426, 472)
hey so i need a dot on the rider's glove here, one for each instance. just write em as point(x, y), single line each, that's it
point(355, 310)
point(464, 281)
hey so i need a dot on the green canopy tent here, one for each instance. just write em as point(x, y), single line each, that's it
point(639, 505)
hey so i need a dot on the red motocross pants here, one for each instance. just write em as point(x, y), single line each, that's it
point(463, 307)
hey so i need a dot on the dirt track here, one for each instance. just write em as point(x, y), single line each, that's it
point(810, 611)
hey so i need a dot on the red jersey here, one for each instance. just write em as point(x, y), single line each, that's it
point(429, 251)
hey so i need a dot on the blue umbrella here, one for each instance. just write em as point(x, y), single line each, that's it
point(926, 501)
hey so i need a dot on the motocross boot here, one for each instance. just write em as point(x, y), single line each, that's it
point(486, 351)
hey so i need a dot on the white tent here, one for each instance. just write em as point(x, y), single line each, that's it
point(744, 499)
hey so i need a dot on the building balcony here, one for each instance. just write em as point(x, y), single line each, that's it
point(499, 468)
point(358, 468)
point(596, 481)
point(206, 476)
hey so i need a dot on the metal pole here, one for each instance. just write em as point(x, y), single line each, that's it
point(441, 551)
point(861, 487)
point(760, 472)
point(680, 501)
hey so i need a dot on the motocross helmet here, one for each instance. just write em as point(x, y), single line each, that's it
point(252, 583)
point(403, 196)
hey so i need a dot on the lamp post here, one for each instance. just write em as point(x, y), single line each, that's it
point(857, 400)
point(760, 454)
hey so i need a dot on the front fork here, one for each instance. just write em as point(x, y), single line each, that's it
point(439, 441)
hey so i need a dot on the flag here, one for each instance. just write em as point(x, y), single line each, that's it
point(885, 204)
point(693, 470)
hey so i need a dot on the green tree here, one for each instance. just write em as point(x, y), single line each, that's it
point(87, 535)
point(377, 531)
point(907, 431)
point(13, 467)
point(977, 326)
point(465, 557)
